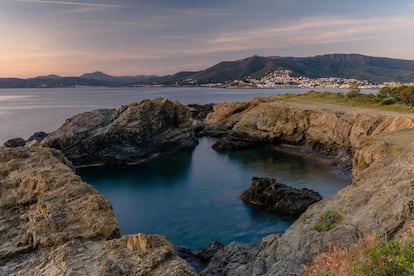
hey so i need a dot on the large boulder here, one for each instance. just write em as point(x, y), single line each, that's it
point(52, 223)
point(128, 135)
point(275, 197)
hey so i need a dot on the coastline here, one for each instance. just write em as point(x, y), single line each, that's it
point(369, 136)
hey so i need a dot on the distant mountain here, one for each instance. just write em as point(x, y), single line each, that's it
point(351, 66)
point(89, 79)
point(373, 69)
point(122, 80)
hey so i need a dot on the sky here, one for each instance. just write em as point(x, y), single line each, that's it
point(134, 37)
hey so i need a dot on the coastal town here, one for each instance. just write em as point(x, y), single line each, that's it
point(284, 79)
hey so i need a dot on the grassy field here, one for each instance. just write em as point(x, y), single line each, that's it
point(370, 101)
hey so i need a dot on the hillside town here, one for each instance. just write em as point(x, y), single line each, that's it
point(284, 79)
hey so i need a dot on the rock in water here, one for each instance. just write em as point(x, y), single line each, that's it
point(15, 142)
point(52, 223)
point(128, 135)
point(276, 197)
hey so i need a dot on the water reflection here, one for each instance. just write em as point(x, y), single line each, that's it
point(163, 171)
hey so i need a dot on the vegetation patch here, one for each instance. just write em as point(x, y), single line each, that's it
point(328, 220)
point(399, 99)
point(369, 256)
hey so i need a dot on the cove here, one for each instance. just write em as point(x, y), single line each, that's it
point(192, 197)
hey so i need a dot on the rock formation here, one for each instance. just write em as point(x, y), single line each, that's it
point(380, 199)
point(128, 135)
point(51, 223)
point(278, 198)
point(15, 142)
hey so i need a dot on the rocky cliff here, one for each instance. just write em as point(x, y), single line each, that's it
point(128, 135)
point(379, 200)
point(51, 223)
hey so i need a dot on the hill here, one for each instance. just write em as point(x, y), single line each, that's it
point(349, 66)
point(88, 79)
point(352, 66)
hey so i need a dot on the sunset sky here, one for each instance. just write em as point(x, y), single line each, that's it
point(131, 37)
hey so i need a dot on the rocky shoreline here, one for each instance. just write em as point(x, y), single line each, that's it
point(50, 227)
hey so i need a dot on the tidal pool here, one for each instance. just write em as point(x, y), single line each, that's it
point(192, 197)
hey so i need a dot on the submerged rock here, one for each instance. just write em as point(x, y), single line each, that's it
point(129, 135)
point(278, 198)
point(52, 223)
point(15, 142)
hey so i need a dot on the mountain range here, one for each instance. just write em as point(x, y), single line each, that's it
point(351, 66)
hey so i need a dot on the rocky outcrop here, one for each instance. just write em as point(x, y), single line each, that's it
point(128, 135)
point(234, 259)
point(51, 223)
point(269, 195)
point(199, 259)
point(380, 199)
point(305, 129)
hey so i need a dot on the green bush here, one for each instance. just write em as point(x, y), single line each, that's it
point(367, 257)
point(388, 101)
point(328, 220)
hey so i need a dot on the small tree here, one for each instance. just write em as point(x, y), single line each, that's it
point(385, 92)
point(353, 90)
point(407, 95)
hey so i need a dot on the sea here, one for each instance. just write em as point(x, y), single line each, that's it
point(191, 197)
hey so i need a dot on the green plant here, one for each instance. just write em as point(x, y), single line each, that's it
point(328, 220)
point(369, 256)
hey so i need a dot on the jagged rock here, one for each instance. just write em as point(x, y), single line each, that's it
point(232, 143)
point(233, 259)
point(200, 258)
point(37, 136)
point(198, 114)
point(54, 224)
point(380, 199)
point(278, 198)
point(129, 135)
point(206, 253)
point(15, 142)
point(200, 111)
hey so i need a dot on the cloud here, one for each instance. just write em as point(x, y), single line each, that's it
point(72, 3)
point(309, 31)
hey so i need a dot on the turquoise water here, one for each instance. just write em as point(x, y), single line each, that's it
point(192, 197)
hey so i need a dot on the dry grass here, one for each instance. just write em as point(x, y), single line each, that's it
point(369, 256)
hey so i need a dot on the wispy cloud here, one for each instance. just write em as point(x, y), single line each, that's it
point(309, 31)
point(72, 3)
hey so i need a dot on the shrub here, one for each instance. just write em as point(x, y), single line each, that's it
point(407, 95)
point(328, 220)
point(368, 256)
point(388, 101)
point(353, 90)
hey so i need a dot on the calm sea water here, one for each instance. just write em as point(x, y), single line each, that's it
point(191, 197)
point(25, 111)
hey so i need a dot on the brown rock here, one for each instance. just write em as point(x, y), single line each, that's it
point(52, 223)
point(131, 134)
